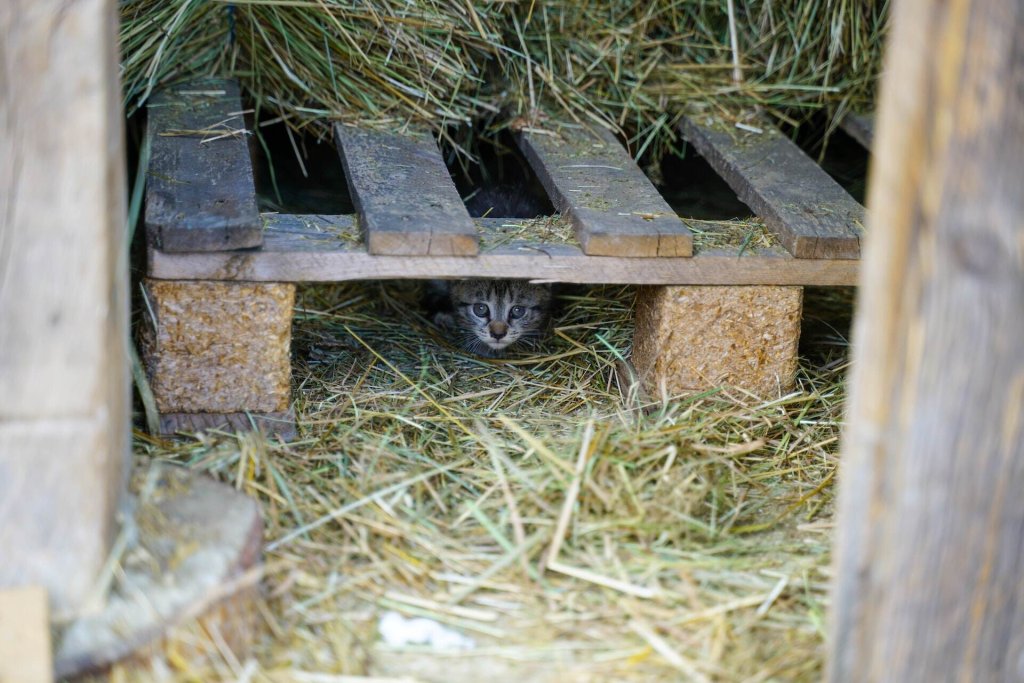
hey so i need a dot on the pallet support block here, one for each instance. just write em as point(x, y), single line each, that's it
point(693, 338)
point(218, 354)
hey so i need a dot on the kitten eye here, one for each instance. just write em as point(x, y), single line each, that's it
point(481, 310)
point(517, 312)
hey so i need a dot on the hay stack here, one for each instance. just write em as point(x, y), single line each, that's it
point(625, 65)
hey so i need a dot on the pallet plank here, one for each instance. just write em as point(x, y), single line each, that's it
point(615, 209)
point(811, 214)
point(321, 249)
point(406, 200)
point(280, 424)
point(200, 193)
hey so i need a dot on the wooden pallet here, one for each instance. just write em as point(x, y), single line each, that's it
point(410, 222)
point(203, 223)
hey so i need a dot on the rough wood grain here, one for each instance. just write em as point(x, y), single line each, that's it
point(860, 127)
point(406, 200)
point(614, 208)
point(25, 653)
point(930, 545)
point(321, 249)
point(811, 214)
point(200, 192)
point(64, 391)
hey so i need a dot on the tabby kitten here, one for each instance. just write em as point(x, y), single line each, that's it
point(489, 316)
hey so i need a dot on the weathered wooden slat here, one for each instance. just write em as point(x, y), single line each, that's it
point(860, 127)
point(200, 193)
point(65, 399)
point(280, 424)
point(929, 547)
point(407, 201)
point(321, 249)
point(614, 208)
point(812, 215)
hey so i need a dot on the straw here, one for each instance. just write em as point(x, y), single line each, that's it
point(690, 535)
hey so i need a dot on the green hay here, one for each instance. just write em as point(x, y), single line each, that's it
point(431, 482)
point(622, 65)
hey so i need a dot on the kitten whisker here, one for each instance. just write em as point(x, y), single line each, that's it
point(477, 309)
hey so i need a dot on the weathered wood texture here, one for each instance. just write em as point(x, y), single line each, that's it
point(930, 545)
point(64, 391)
point(200, 541)
point(614, 208)
point(406, 200)
point(218, 347)
point(25, 653)
point(321, 249)
point(811, 214)
point(280, 424)
point(695, 338)
point(860, 127)
point(200, 192)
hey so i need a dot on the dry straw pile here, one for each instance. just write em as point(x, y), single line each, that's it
point(623, 64)
point(574, 530)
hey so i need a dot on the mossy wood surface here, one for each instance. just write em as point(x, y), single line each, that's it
point(195, 554)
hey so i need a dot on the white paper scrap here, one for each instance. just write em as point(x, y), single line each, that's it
point(397, 631)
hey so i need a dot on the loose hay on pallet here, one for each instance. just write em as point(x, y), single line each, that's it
point(745, 233)
point(691, 536)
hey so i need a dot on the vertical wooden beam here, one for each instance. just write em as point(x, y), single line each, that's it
point(25, 652)
point(64, 392)
point(930, 546)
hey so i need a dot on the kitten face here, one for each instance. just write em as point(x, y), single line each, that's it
point(492, 315)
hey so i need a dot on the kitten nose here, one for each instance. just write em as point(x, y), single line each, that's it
point(498, 329)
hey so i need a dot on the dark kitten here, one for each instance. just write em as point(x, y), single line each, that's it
point(489, 316)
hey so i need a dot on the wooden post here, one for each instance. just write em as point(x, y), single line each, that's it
point(25, 652)
point(64, 392)
point(930, 546)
